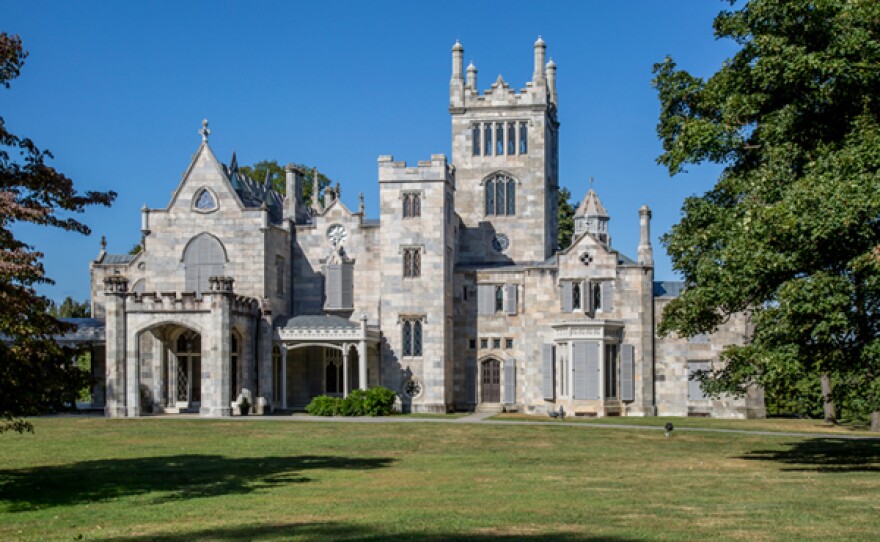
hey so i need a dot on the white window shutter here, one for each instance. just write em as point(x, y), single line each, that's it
point(695, 390)
point(607, 296)
point(510, 381)
point(485, 299)
point(566, 295)
point(592, 370)
point(333, 286)
point(587, 299)
point(346, 296)
point(510, 300)
point(470, 385)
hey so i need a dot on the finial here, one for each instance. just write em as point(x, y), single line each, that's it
point(338, 190)
point(458, 46)
point(540, 41)
point(361, 199)
point(103, 243)
point(591, 182)
point(551, 64)
point(205, 132)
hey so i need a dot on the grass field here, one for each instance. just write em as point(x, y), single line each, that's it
point(181, 480)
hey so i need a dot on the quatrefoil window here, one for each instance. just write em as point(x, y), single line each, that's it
point(586, 258)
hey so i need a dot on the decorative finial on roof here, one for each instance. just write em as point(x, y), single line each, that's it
point(540, 41)
point(205, 132)
point(338, 190)
point(361, 199)
point(458, 46)
point(103, 243)
point(591, 182)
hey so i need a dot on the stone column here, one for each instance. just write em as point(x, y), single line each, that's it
point(264, 359)
point(114, 288)
point(362, 354)
point(99, 373)
point(248, 360)
point(216, 378)
point(345, 383)
point(132, 375)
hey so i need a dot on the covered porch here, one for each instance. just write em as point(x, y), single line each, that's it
point(322, 355)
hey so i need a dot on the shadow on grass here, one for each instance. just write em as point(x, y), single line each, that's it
point(309, 532)
point(176, 477)
point(825, 455)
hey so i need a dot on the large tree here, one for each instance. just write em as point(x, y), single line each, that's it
point(36, 374)
point(273, 172)
point(791, 229)
point(566, 218)
point(70, 308)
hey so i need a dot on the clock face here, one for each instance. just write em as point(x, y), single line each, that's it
point(336, 234)
point(500, 242)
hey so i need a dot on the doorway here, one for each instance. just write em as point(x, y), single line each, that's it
point(491, 381)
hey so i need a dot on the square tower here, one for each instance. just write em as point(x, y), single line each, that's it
point(505, 147)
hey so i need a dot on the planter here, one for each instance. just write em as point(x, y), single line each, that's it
point(245, 410)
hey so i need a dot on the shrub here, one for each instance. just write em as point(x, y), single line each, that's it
point(373, 402)
point(353, 405)
point(378, 401)
point(324, 405)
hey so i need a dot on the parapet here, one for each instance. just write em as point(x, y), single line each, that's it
point(433, 170)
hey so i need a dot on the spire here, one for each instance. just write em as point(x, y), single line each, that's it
point(316, 201)
point(551, 80)
point(591, 217)
point(233, 163)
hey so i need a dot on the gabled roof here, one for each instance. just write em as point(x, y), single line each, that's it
point(668, 288)
point(591, 206)
point(319, 321)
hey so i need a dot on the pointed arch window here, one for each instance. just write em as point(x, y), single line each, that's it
point(204, 257)
point(500, 195)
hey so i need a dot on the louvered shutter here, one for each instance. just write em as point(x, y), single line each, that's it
point(347, 286)
point(510, 298)
point(607, 296)
point(695, 391)
point(627, 373)
point(547, 372)
point(592, 366)
point(510, 381)
point(332, 286)
point(470, 384)
point(566, 295)
point(485, 299)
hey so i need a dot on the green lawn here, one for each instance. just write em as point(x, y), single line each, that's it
point(181, 480)
point(776, 425)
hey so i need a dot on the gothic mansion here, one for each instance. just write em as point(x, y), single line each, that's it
point(457, 297)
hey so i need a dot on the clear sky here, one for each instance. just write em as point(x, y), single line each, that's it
point(117, 91)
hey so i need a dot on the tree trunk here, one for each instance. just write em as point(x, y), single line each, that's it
point(875, 421)
point(828, 404)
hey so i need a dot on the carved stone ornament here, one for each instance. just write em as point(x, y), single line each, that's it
point(337, 234)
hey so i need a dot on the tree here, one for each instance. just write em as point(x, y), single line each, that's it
point(70, 308)
point(791, 229)
point(36, 374)
point(566, 218)
point(277, 176)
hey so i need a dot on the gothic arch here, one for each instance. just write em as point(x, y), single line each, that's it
point(203, 257)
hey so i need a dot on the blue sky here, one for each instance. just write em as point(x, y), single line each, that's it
point(117, 91)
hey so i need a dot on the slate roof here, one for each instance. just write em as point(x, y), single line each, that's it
point(591, 206)
point(319, 321)
point(117, 258)
point(668, 288)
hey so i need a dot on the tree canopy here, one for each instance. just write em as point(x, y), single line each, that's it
point(70, 308)
point(36, 374)
point(791, 229)
point(271, 170)
point(566, 218)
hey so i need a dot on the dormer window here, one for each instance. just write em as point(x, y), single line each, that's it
point(205, 200)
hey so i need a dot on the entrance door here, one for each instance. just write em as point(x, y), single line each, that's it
point(491, 379)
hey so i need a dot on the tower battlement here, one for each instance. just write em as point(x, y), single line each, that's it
point(435, 169)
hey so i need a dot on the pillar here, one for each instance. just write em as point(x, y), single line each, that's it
point(114, 289)
point(132, 375)
point(216, 377)
point(283, 376)
point(345, 383)
point(362, 354)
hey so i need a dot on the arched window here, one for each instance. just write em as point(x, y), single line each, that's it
point(500, 195)
point(203, 258)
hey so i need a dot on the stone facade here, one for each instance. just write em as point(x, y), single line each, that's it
point(457, 297)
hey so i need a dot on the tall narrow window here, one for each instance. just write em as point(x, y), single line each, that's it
point(611, 371)
point(412, 262)
point(490, 197)
point(279, 275)
point(499, 298)
point(523, 138)
point(576, 296)
point(511, 138)
point(487, 139)
point(476, 137)
point(499, 139)
point(597, 296)
point(499, 197)
point(412, 337)
point(412, 205)
point(407, 338)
